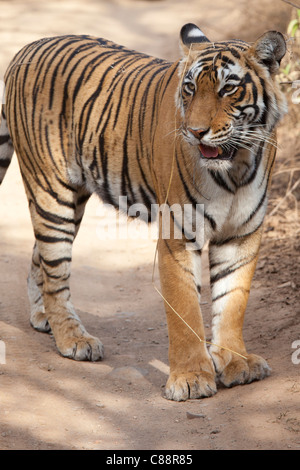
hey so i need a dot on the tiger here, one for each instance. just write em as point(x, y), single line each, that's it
point(85, 115)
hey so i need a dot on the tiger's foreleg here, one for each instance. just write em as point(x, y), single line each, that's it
point(232, 266)
point(48, 284)
point(192, 373)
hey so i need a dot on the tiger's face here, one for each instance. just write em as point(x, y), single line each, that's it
point(228, 97)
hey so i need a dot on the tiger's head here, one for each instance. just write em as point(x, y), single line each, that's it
point(228, 96)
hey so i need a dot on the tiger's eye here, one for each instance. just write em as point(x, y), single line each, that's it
point(227, 88)
point(189, 87)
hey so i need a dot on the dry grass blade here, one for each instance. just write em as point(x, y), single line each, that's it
point(288, 193)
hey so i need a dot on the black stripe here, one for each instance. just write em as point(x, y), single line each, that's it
point(230, 270)
point(145, 180)
point(57, 291)
point(82, 199)
point(4, 162)
point(50, 191)
point(56, 219)
point(39, 297)
point(144, 67)
point(59, 229)
point(87, 108)
point(48, 239)
point(94, 167)
point(173, 255)
point(91, 67)
point(56, 276)
point(168, 81)
point(84, 47)
point(143, 104)
point(105, 189)
point(194, 202)
point(119, 78)
point(37, 170)
point(78, 83)
point(218, 179)
point(46, 58)
point(229, 292)
point(66, 185)
point(4, 139)
point(55, 262)
point(210, 220)
point(266, 100)
point(225, 61)
point(235, 53)
point(263, 197)
point(219, 243)
point(46, 135)
point(64, 46)
point(126, 186)
point(147, 201)
point(257, 161)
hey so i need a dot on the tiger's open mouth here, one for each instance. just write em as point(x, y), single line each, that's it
point(217, 153)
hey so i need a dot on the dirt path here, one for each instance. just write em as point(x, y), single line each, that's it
point(48, 402)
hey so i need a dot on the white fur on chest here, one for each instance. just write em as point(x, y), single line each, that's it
point(239, 212)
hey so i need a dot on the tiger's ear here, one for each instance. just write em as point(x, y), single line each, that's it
point(269, 49)
point(191, 34)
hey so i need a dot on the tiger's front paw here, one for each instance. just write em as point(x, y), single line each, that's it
point(238, 370)
point(180, 387)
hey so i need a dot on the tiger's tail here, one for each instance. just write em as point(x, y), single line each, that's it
point(6, 146)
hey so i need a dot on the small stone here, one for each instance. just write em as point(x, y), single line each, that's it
point(215, 431)
point(194, 415)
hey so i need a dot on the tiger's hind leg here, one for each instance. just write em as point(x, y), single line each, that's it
point(55, 226)
point(38, 319)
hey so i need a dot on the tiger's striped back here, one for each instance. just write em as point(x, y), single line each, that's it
point(91, 107)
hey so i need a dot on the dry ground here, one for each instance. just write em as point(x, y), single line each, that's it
point(48, 402)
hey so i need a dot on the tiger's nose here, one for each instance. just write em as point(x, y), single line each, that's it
point(198, 133)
